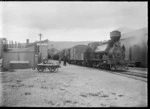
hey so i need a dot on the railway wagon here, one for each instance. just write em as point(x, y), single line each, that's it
point(77, 54)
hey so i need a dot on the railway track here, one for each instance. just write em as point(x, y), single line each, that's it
point(133, 75)
point(144, 75)
point(130, 74)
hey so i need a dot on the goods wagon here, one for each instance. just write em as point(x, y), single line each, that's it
point(77, 54)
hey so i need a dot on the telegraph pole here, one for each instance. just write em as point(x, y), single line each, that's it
point(40, 41)
point(40, 35)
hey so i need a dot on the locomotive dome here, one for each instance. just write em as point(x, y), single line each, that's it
point(115, 35)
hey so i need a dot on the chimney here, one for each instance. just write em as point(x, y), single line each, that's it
point(27, 41)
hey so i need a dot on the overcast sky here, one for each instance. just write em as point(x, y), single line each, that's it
point(69, 21)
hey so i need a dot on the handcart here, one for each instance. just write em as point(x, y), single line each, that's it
point(52, 67)
point(45, 64)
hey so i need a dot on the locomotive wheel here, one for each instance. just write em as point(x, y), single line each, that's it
point(105, 66)
point(108, 67)
point(40, 69)
point(115, 66)
point(125, 67)
point(112, 67)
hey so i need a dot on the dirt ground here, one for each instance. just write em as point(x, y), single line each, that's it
point(71, 86)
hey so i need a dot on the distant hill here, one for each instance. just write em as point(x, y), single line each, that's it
point(126, 32)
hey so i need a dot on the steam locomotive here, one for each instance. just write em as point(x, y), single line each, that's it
point(108, 55)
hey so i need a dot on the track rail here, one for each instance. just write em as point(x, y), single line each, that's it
point(133, 75)
point(129, 74)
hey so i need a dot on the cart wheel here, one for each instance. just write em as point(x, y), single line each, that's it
point(53, 69)
point(40, 69)
point(49, 69)
point(57, 69)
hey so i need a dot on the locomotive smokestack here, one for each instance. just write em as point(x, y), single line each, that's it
point(115, 35)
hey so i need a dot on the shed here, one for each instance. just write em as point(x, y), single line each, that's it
point(18, 54)
point(19, 64)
